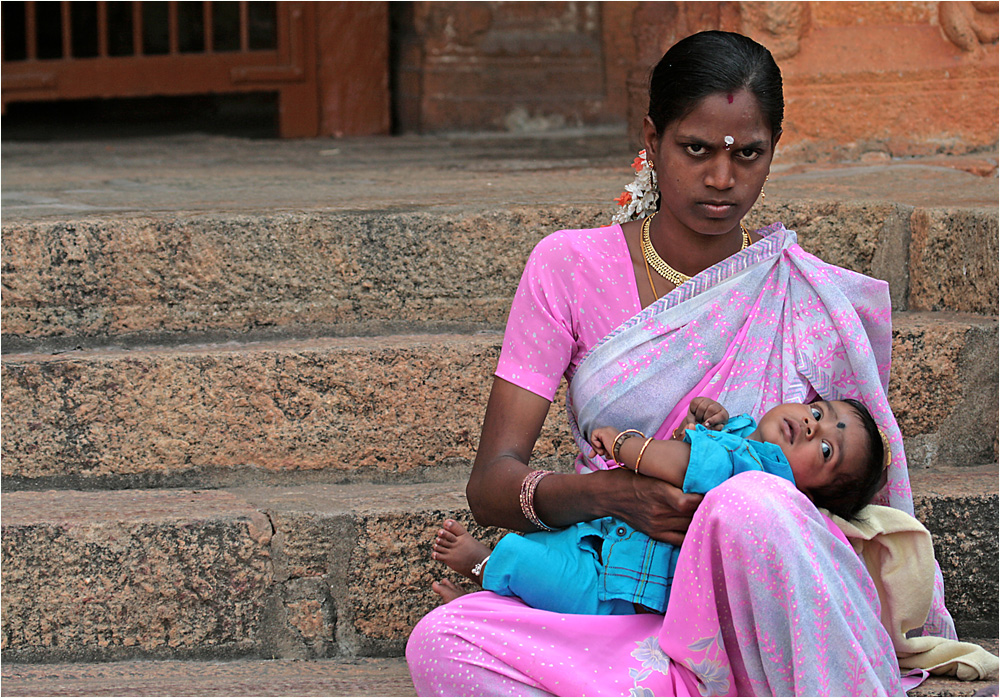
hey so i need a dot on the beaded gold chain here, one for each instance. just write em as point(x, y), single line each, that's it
point(661, 267)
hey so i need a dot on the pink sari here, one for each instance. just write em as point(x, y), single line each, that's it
point(768, 597)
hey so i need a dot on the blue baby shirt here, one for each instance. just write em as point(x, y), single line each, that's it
point(641, 570)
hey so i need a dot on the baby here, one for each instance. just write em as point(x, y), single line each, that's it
point(832, 451)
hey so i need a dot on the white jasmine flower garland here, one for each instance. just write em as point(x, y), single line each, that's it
point(642, 196)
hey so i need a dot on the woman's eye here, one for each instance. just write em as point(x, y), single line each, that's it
point(695, 149)
point(827, 450)
point(817, 415)
point(749, 154)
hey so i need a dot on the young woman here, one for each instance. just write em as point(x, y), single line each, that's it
point(768, 596)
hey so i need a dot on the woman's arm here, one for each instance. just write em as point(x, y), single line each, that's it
point(514, 418)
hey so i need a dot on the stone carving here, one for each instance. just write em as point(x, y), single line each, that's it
point(778, 25)
point(969, 24)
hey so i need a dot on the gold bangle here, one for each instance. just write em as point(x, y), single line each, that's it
point(641, 451)
point(617, 447)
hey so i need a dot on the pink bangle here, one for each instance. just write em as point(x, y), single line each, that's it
point(527, 497)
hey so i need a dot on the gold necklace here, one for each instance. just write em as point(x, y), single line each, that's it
point(661, 267)
point(650, 277)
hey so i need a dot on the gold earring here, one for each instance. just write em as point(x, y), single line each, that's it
point(762, 194)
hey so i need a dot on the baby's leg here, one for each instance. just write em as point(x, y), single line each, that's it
point(552, 571)
point(455, 547)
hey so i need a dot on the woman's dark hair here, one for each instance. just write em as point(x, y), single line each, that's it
point(853, 491)
point(709, 63)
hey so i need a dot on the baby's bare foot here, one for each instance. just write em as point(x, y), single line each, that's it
point(455, 547)
point(448, 590)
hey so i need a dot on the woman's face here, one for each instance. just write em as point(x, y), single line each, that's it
point(706, 186)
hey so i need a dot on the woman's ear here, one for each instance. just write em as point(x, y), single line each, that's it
point(774, 140)
point(650, 138)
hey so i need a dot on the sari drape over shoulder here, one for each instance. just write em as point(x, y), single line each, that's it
point(770, 324)
point(768, 596)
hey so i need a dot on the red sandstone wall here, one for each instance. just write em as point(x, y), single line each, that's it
point(521, 66)
point(862, 79)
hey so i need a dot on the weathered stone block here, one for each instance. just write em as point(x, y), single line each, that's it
point(399, 408)
point(953, 260)
point(99, 576)
point(372, 408)
point(372, 546)
point(139, 278)
point(959, 507)
point(944, 369)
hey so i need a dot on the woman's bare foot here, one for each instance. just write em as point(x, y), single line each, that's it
point(448, 590)
point(455, 547)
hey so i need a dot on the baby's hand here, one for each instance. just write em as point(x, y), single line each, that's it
point(603, 440)
point(705, 410)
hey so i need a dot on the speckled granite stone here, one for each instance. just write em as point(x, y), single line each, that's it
point(959, 507)
point(954, 260)
point(118, 574)
point(944, 369)
point(230, 273)
point(313, 571)
point(162, 278)
point(366, 408)
point(378, 408)
point(318, 677)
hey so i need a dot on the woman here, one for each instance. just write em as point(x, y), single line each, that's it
point(768, 597)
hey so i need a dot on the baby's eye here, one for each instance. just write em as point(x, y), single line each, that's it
point(817, 415)
point(827, 450)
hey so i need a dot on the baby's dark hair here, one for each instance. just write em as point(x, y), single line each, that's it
point(852, 491)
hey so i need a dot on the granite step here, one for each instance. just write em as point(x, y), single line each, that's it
point(316, 677)
point(311, 572)
point(261, 677)
point(165, 280)
point(346, 409)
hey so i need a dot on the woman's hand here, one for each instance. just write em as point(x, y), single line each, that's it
point(514, 418)
point(655, 507)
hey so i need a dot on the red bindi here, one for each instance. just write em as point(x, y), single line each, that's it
point(730, 98)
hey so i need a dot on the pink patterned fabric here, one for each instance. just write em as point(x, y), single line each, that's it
point(576, 288)
point(770, 599)
point(761, 606)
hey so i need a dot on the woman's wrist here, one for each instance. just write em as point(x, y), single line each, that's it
point(565, 499)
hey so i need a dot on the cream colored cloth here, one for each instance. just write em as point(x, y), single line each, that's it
point(899, 555)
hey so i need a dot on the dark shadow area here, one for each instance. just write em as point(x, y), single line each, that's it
point(245, 115)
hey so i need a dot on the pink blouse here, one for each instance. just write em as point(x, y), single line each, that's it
point(577, 286)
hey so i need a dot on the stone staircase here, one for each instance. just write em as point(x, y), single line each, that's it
point(243, 382)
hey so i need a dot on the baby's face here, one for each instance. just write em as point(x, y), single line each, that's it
point(820, 440)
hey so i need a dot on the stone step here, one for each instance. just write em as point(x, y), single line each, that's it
point(169, 279)
point(260, 677)
point(391, 408)
point(276, 677)
point(309, 572)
